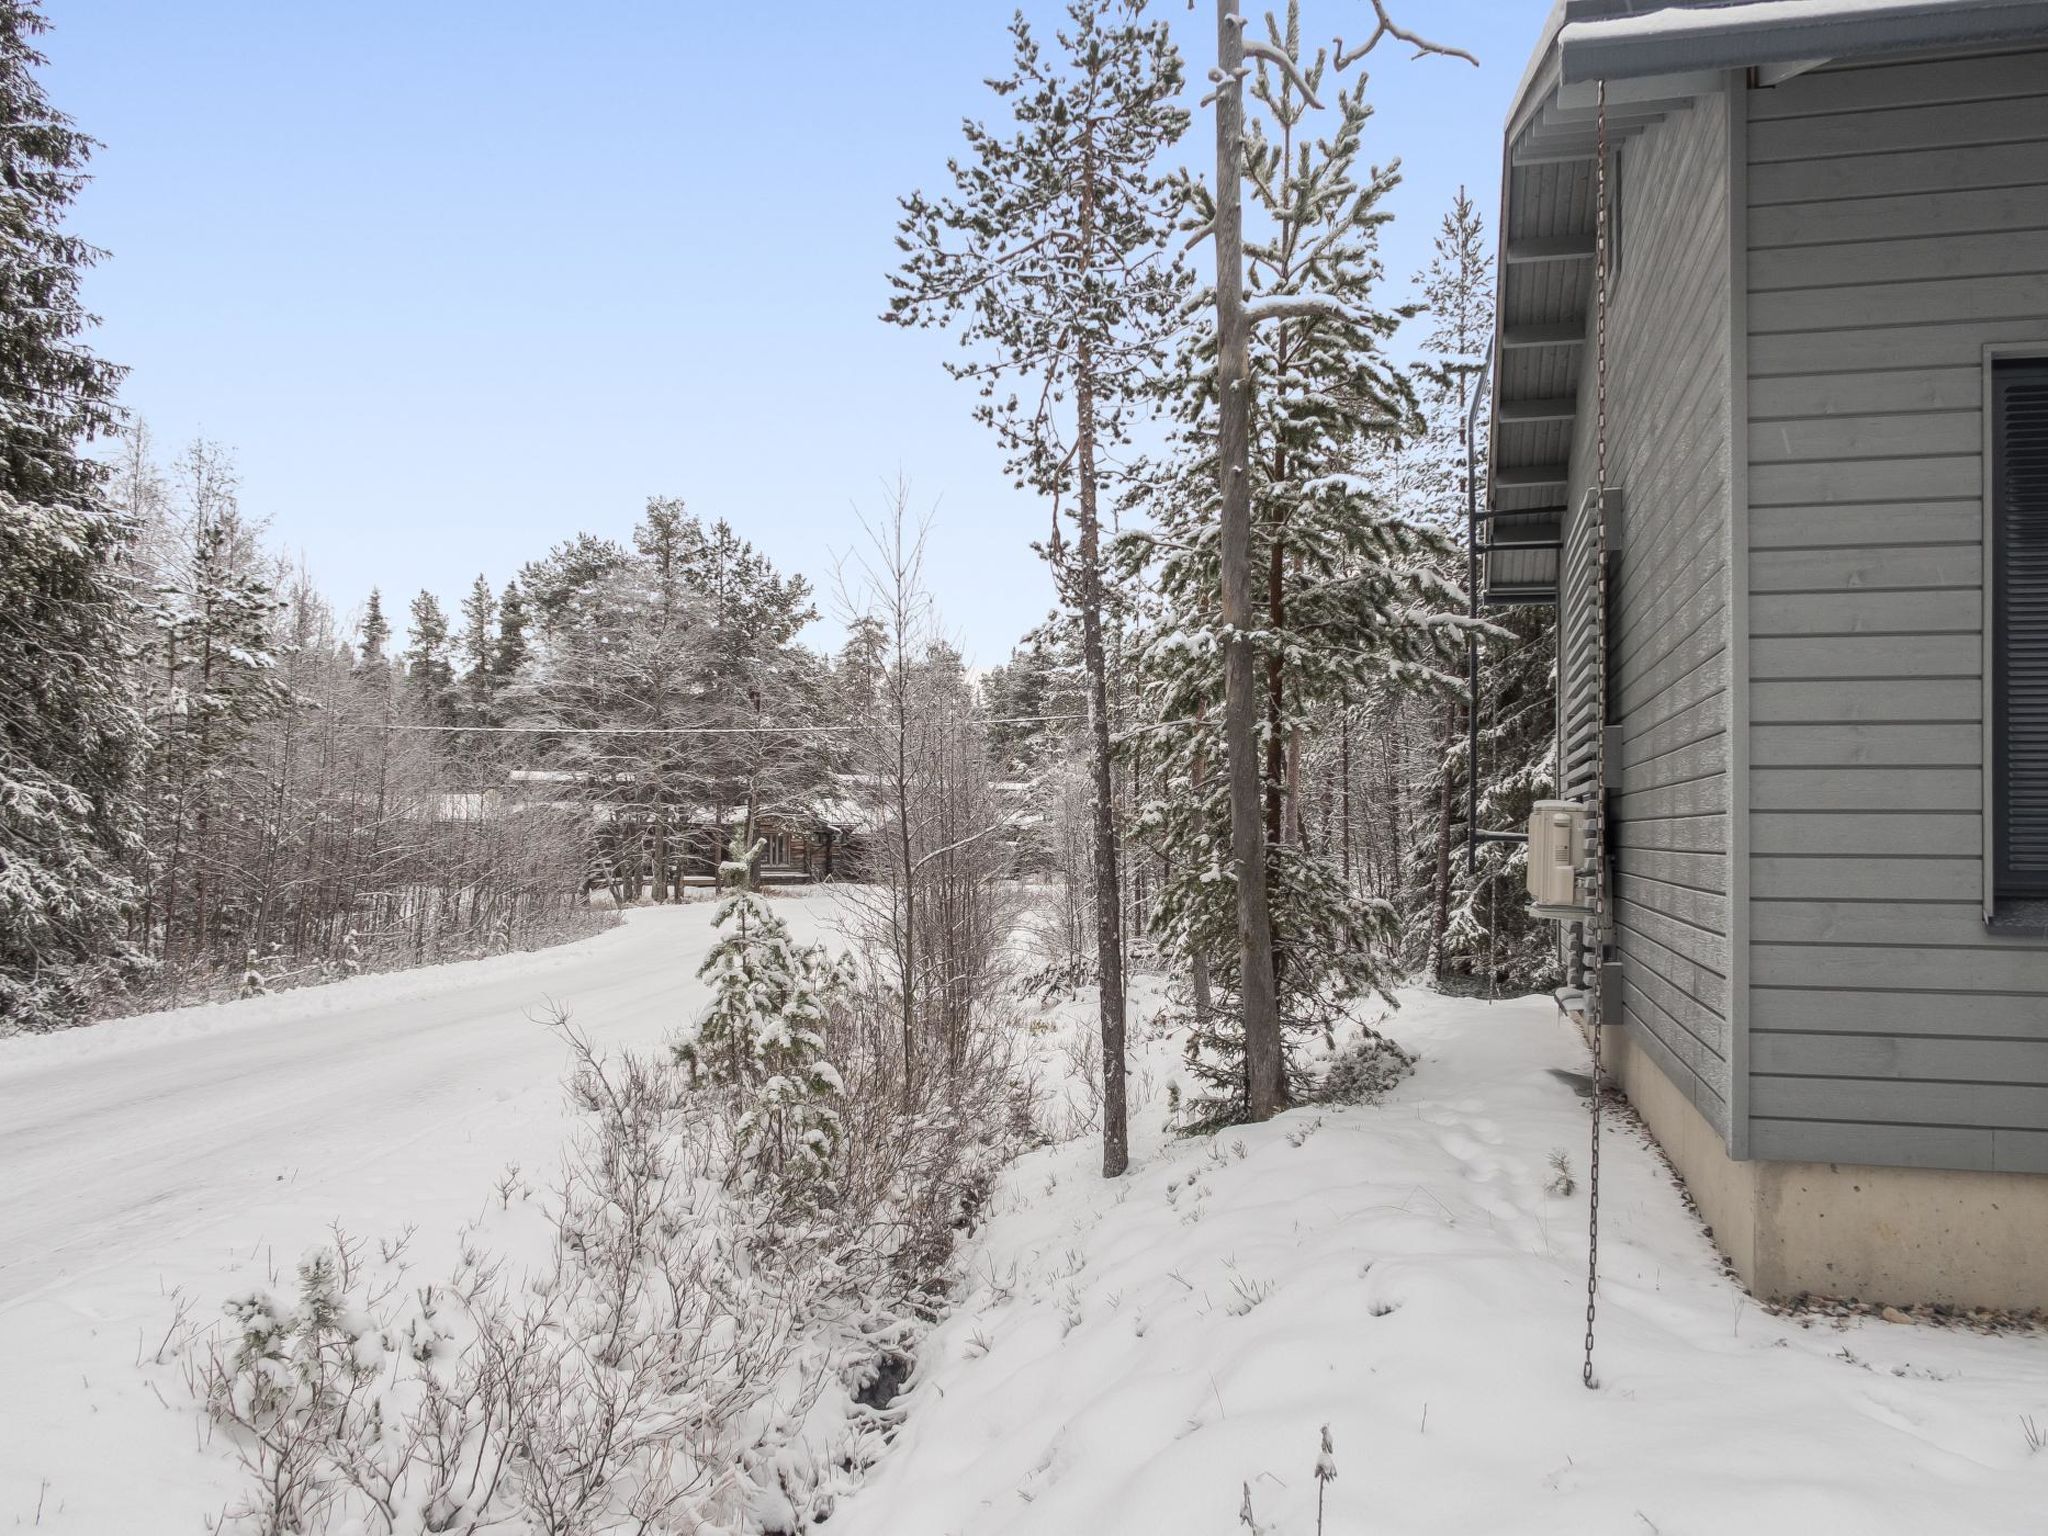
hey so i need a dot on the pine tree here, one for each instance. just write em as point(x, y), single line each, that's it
point(762, 1039)
point(661, 653)
point(1053, 258)
point(750, 675)
point(69, 742)
point(690, 627)
point(1354, 600)
point(568, 591)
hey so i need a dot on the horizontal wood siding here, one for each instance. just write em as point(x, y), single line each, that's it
point(1669, 623)
point(1897, 223)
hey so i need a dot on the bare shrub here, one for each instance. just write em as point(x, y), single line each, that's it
point(618, 1386)
point(911, 1180)
point(655, 1373)
point(645, 1376)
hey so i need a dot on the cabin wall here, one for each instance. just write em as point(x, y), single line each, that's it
point(1669, 606)
point(1897, 223)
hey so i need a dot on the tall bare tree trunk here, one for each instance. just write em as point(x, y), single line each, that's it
point(1344, 788)
point(907, 939)
point(1109, 950)
point(1240, 731)
point(1276, 683)
point(1440, 906)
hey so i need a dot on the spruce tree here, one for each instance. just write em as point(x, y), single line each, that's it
point(509, 655)
point(1428, 472)
point(1354, 596)
point(477, 646)
point(211, 675)
point(761, 1038)
point(429, 667)
point(1491, 933)
point(1052, 258)
point(473, 695)
point(69, 742)
point(375, 632)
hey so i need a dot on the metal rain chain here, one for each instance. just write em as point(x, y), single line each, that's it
point(1597, 821)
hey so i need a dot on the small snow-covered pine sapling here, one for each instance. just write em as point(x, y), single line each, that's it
point(1561, 1182)
point(761, 1039)
point(1326, 1474)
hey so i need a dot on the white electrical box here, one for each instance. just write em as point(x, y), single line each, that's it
point(1557, 856)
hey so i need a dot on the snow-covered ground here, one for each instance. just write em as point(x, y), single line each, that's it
point(199, 1150)
point(1127, 1358)
point(1122, 1358)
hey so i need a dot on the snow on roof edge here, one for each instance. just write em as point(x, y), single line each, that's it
point(1682, 37)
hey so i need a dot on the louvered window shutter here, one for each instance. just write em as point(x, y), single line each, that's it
point(2019, 451)
point(1579, 661)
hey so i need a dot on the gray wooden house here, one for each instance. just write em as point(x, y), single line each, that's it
point(1811, 691)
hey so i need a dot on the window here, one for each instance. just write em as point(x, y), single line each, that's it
point(2019, 574)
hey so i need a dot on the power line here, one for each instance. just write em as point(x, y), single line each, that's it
point(681, 730)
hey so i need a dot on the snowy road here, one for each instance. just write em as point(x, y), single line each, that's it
point(187, 1149)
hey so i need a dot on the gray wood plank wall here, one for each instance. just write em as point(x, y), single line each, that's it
point(1669, 626)
point(1897, 222)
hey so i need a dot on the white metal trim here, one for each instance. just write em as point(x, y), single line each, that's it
point(1737, 97)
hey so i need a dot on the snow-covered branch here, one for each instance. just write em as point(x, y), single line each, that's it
point(1386, 28)
point(1307, 306)
point(1278, 58)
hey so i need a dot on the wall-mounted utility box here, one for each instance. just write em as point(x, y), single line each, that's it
point(1557, 858)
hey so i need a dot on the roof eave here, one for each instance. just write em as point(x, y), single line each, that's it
point(1785, 31)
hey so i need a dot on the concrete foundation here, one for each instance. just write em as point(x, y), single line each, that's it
point(1898, 1235)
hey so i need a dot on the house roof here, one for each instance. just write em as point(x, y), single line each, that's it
point(1656, 57)
point(1627, 39)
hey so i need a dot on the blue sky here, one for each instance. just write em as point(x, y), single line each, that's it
point(456, 278)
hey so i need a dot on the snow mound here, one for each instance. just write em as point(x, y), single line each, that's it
point(1142, 1356)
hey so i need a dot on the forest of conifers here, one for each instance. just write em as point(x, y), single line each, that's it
point(221, 780)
